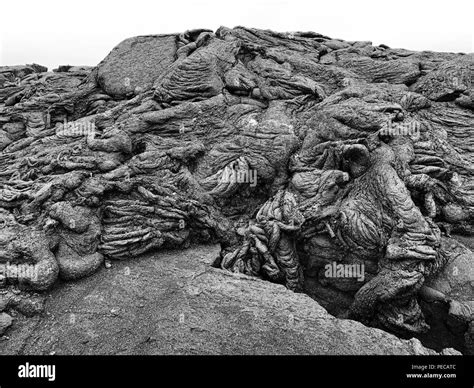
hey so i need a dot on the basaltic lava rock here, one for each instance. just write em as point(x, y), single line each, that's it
point(339, 169)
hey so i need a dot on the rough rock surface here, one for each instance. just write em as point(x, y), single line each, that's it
point(5, 322)
point(296, 152)
point(176, 303)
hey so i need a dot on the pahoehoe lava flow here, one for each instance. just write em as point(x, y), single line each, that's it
point(309, 159)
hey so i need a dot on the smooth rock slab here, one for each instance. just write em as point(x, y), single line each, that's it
point(134, 64)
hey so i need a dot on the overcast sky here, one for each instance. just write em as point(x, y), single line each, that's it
point(54, 32)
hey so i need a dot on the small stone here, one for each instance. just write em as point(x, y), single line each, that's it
point(5, 322)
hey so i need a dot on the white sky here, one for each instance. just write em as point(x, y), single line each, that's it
point(54, 32)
